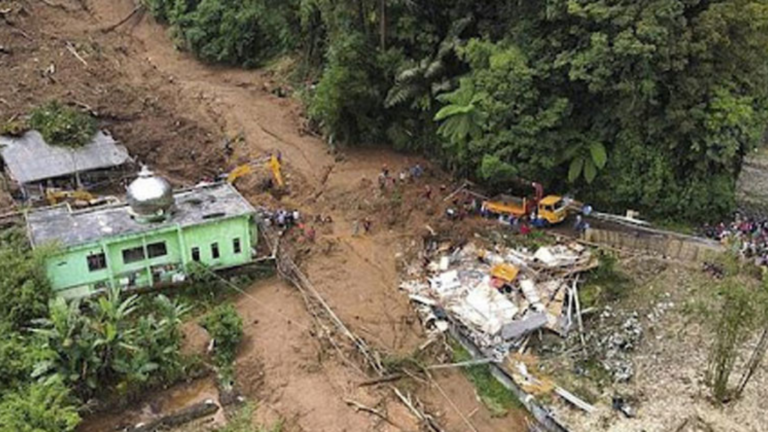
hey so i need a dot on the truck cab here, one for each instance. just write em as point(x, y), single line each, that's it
point(552, 209)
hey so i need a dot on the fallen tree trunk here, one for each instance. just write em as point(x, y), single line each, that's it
point(178, 418)
point(138, 9)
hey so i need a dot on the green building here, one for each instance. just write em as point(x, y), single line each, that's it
point(150, 240)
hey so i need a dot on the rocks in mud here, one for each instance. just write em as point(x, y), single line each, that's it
point(614, 343)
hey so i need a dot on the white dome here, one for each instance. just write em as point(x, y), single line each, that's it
point(150, 195)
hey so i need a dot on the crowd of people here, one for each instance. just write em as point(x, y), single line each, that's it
point(744, 235)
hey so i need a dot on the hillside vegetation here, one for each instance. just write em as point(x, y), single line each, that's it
point(647, 104)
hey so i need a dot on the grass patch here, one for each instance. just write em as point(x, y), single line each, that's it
point(676, 225)
point(14, 128)
point(606, 283)
point(497, 398)
point(206, 289)
point(63, 126)
point(242, 421)
point(594, 371)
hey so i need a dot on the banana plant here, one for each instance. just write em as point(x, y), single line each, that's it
point(67, 333)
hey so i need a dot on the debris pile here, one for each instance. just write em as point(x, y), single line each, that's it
point(616, 345)
point(610, 343)
point(497, 297)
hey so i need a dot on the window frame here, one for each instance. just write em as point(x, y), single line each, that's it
point(195, 254)
point(152, 255)
point(237, 246)
point(215, 251)
point(133, 260)
point(102, 262)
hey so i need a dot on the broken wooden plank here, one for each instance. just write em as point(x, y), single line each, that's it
point(467, 363)
point(380, 380)
point(574, 400)
point(73, 51)
point(360, 407)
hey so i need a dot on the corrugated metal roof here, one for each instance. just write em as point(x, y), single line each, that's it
point(30, 159)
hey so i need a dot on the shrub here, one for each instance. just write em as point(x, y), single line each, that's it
point(18, 358)
point(24, 287)
point(226, 328)
point(63, 126)
point(237, 32)
point(40, 407)
point(14, 128)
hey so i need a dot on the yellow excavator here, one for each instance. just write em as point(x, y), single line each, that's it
point(79, 198)
point(272, 163)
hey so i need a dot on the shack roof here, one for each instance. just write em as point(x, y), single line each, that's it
point(29, 158)
point(196, 206)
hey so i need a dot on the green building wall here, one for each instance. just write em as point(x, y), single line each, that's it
point(70, 276)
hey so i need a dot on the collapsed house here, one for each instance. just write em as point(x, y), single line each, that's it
point(498, 297)
point(36, 166)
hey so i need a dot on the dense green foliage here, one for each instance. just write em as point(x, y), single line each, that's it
point(647, 104)
point(226, 329)
point(18, 358)
point(53, 353)
point(39, 407)
point(240, 32)
point(24, 288)
point(63, 126)
point(112, 342)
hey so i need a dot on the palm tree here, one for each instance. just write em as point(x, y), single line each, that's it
point(421, 80)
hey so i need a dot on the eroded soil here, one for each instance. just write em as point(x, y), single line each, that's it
point(175, 114)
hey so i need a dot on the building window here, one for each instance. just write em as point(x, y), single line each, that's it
point(133, 255)
point(97, 262)
point(155, 250)
point(236, 246)
point(215, 250)
point(196, 254)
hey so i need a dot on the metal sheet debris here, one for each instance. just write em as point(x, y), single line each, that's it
point(495, 298)
point(500, 295)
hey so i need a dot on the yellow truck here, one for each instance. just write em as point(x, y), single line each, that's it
point(543, 210)
point(552, 209)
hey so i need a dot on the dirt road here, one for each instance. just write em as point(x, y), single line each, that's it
point(173, 112)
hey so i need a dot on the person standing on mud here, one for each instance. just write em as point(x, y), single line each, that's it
point(428, 193)
point(367, 223)
point(382, 181)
